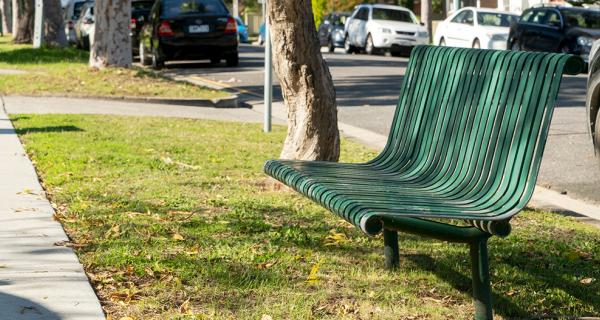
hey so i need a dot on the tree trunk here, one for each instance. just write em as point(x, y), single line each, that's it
point(426, 15)
point(112, 44)
point(305, 81)
point(6, 16)
point(24, 33)
point(54, 27)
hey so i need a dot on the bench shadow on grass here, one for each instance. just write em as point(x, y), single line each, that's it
point(532, 260)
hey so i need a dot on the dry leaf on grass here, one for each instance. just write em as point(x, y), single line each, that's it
point(178, 237)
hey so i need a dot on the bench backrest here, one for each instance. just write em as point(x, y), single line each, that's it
point(474, 122)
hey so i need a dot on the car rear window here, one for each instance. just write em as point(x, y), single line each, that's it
point(582, 19)
point(141, 5)
point(173, 8)
point(77, 6)
point(393, 15)
point(494, 19)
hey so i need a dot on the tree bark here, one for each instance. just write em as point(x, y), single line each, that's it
point(305, 81)
point(24, 31)
point(112, 44)
point(54, 26)
point(6, 16)
point(426, 15)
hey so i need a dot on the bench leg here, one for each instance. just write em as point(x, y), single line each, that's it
point(480, 273)
point(390, 249)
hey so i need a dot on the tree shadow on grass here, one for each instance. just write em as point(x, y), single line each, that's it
point(15, 307)
point(43, 56)
point(43, 129)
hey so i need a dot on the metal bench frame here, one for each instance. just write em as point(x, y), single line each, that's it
point(466, 143)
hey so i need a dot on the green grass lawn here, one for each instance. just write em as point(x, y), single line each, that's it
point(65, 72)
point(174, 219)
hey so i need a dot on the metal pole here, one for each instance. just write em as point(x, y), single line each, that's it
point(268, 95)
point(235, 9)
point(38, 31)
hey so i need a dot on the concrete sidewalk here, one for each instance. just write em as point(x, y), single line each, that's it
point(39, 278)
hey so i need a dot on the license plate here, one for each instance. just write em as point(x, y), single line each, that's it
point(198, 29)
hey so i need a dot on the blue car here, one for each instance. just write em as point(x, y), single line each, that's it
point(242, 30)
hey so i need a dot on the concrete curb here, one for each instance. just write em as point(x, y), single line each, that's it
point(40, 278)
point(228, 102)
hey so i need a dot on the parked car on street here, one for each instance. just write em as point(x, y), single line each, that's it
point(189, 29)
point(378, 27)
point(242, 30)
point(331, 30)
point(593, 96)
point(85, 26)
point(475, 28)
point(556, 29)
point(71, 13)
point(140, 10)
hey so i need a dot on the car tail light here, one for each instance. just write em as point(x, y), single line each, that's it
point(132, 24)
point(231, 26)
point(164, 30)
point(70, 25)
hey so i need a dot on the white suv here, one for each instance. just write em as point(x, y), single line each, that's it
point(377, 27)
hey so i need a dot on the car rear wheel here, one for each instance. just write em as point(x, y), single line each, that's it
point(215, 60)
point(157, 62)
point(348, 48)
point(476, 44)
point(233, 60)
point(330, 45)
point(442, 42)
point(515, 46)
point(369, 46)
point(597, 134)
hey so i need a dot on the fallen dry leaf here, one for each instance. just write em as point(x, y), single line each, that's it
point(586, 280)
point(178, 237)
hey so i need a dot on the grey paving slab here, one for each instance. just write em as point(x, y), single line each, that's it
point(39, 278)
point(16, 104)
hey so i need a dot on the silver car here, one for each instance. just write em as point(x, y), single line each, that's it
point(378, 27)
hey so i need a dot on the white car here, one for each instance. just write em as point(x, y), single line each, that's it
point(71, 12)
point(378, 27)
point(475, 28)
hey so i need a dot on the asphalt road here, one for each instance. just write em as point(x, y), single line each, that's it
point(367, 88)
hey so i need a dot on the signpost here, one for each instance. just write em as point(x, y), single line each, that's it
point(268, 94)
point(236, 9)
point(38, 26)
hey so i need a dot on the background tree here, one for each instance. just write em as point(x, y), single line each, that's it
point(54, 26)
point(320, 9)
point(23, 15)
point(112, 44)
point(5, 7)
point(305, 81)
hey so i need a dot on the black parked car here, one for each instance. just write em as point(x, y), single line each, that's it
point(189, 29)
point(593, 96)
point(140, 10)
point(556, 29)
point(331, 30)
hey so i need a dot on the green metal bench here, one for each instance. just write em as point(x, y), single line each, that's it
point(466, 144)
